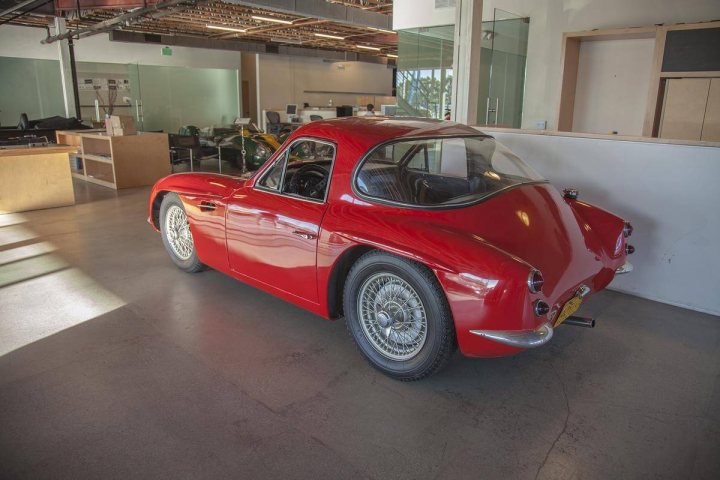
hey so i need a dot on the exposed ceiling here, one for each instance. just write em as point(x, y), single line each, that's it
point(232, 20)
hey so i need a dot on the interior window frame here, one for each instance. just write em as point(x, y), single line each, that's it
point(284, 157)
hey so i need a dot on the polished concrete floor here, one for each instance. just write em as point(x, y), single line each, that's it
point(114, 364)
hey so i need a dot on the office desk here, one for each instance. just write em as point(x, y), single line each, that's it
point(35, 178)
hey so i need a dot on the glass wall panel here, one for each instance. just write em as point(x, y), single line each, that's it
point(29, 86)
point(424, 71)
point(502, 70)
point(171, 97)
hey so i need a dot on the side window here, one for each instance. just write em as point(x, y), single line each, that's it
point(303, 171)
point(273, 177)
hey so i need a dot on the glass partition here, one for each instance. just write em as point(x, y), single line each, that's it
point(29, 86)
point(503, 58)
point(166, 98)
point(424, 71)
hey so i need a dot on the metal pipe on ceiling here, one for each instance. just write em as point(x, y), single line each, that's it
point(154, 11)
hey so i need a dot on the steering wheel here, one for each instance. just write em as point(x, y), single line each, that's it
point(309, 181)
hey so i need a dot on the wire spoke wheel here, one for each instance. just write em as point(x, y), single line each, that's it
point(392, 316)
point(177, 232)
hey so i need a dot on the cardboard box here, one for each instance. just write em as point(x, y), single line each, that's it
point(117, 125)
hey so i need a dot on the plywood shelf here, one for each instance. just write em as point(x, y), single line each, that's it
point(119, 161)
point(97, 158)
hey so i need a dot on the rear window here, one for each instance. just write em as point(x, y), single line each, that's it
point(441, 171)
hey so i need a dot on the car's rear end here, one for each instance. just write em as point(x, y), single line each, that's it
point(527, 256)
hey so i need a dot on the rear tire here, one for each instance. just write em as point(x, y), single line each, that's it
point(398, 315)
point(176, 234)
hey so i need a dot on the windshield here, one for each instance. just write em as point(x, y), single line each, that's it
point(441, 171)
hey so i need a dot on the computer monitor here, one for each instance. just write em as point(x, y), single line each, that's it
point(388, 110)
point(291, 109)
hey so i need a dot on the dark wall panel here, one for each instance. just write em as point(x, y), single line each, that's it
point(692, 50)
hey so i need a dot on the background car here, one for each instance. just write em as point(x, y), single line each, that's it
point(425, 235)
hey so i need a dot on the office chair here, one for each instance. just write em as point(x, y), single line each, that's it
point(274, 126)
point(182, 148)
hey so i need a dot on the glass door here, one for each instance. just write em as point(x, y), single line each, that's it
point(502, 77)
point(167, 98)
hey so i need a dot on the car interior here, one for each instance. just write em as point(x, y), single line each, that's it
point(303, 171)
point(431, 172)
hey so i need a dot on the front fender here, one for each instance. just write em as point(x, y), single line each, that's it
point(204, 197)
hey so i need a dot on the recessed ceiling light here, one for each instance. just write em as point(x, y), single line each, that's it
point(382, 30)
point(334, 37)
point(227, 29)
point(368, 48)
point(269, 19)
point(390, 55)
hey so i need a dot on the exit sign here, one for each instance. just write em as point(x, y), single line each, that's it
point(167, 51)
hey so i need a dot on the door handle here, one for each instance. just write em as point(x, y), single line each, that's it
point(207, 206)
point(305, 235)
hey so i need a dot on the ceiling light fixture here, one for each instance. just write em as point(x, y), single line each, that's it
point(390, 55)
point(227, 29)
point(269, 19)
point(383, 30)
point(334, 37)
point(368, 48)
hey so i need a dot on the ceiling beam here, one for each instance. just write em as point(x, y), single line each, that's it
point(244, 46)
point(157, 10)
point(323, 10)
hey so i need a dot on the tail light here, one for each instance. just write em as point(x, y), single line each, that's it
point(627, 229)
point(541, 308)
point(629, 249)
point(535, 281)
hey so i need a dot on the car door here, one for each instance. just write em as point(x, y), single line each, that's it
point(273, 226)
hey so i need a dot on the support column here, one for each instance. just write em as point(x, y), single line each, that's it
point(466, 61)
point(68, 74)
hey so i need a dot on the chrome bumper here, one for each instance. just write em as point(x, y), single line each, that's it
point(624, 268)
point(519, 338)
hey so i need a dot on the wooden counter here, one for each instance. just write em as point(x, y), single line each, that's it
point(34, 178)
point(118, 161)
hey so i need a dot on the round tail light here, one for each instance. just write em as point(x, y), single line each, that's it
point(629, 249)
point(627, 229)
point(541, 308)
point(535, 281)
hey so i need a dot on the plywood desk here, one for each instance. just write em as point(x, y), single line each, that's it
point(34, 178)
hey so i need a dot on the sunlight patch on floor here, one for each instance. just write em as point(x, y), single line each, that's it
point(41, 294)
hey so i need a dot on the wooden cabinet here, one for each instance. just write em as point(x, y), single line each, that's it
point(691, 109)
point(118, 161)
point(711, 125)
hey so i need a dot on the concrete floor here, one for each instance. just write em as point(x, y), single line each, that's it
point(115, 364)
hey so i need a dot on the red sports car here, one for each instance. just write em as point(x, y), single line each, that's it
point(425, 235)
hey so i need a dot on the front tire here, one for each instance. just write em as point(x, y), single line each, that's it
point(398, 315)
point(176, 234)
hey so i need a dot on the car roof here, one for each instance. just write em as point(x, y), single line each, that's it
point(364, 133)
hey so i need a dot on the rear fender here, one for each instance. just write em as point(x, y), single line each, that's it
point(485, 286)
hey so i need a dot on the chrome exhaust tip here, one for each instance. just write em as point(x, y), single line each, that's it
point(577, 321)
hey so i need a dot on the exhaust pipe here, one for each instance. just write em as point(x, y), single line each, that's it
point(586, 322)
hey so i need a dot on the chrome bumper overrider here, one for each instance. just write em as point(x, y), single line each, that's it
point(519, 338)
point(624, 268)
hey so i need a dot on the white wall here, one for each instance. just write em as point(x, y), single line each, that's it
point(285, 79)
point(420, 13)
point(613, 82)
point(549, 19)
point(24, 42)
point(670, 194)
